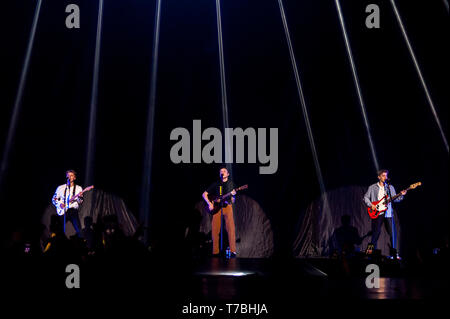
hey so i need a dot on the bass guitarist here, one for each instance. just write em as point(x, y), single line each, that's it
point(375, 193)
point(223, 186)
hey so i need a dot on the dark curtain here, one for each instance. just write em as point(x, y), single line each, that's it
point(323, 216)
point(254, 237)
point(97, 204)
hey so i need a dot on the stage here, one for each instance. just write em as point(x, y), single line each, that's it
point(319, 128)
point(284, 284)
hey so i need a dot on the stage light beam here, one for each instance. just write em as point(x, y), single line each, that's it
point(144, 212)
point(446, 5)
point(223, 86)
point(90, 157)
point(19, 95)
point(302, 97)
point(419, 73)
point(357, 85)
point(326, 208)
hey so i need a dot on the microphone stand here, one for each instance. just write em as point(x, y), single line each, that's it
point(388, 187)
point(221, 228)
point(221, 219)
point(67, 204)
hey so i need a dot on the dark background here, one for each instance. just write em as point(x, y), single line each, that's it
point(53, 122)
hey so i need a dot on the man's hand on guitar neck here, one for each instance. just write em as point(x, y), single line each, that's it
point(403, 192)
point(79, 198)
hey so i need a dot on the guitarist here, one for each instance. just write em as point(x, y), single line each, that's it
point(376, 192)
point(222, 186)
point(62, 196)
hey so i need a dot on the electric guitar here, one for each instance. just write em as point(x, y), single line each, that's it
point(382, 204)
point(220, 201)
point(60, 208)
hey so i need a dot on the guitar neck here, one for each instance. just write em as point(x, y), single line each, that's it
point(229, 194)
point(81, 193)
point(397, 195)
point(226, 195)
point(74, 198)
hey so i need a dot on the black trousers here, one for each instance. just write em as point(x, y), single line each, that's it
point(376, 228)
point(72, 216)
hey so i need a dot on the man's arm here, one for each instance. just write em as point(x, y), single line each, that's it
point(393, 193)
point(79, 198)
point(367, 198)
point(206, 199)
point(233, 196)
point(57, 198)
point(233, 192)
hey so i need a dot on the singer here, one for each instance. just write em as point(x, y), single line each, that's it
point(376, 192)
point(221, 187)
point(62, 197)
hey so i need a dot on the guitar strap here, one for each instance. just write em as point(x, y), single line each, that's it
point(73, 193)
point(387, 190)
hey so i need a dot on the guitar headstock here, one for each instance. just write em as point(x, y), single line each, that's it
point(242, 187)
point(415, 185)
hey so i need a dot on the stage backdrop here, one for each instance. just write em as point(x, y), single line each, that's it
point(96, 204)
point(254, 237)
point(317, 225)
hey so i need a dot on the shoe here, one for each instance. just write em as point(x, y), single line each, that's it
point(233, 255)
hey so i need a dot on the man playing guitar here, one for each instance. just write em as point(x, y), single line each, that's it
point(68, 209)
point(382, 189)
point(221, 187)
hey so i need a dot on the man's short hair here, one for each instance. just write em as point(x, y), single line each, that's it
point(381, 171)
point(223, 167)
point(71, 171)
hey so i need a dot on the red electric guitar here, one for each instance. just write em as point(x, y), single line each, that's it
point(382, 204)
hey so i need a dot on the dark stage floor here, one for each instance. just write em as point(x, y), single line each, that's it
point(172, 285)
point(310, 278)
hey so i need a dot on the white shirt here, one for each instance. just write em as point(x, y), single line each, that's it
point(59, 198)
point(381, 194)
